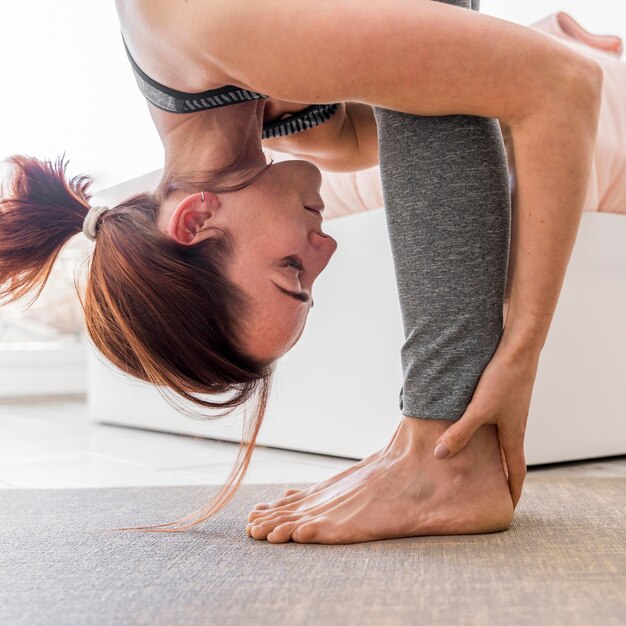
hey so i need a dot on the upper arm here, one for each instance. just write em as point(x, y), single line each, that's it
point(347, 142)
point(416, 56)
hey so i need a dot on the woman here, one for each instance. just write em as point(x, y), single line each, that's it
point(222, 246)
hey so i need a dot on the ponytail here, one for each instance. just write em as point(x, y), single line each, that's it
point(39, 212)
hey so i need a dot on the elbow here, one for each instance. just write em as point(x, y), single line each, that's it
point(594, 76)
point(581, 91)
point(568, 88)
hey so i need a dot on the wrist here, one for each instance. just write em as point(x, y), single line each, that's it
point(522, 342)
point(525, 328)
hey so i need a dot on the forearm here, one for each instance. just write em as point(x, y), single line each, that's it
point(552, 153)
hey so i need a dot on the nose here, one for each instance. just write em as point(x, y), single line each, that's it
point(319, 239)
point(324, 245)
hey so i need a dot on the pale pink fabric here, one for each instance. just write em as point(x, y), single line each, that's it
point(353, 192)
point(607, 189)
point(563, 24)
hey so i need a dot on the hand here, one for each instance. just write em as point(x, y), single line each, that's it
point(502, 397)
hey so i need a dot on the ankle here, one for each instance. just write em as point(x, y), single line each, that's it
point(415, 443)
point(417, 437)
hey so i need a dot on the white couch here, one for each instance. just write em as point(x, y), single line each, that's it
point(336, 391)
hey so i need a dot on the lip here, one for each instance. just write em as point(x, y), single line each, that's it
point(319, 210)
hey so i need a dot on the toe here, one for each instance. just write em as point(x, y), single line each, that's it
point(266, 506)
point(263, 529)
point(323, 530)
point(307, 532)
point(254, 515)
point(257, 531)
point(278, 506)
point(290, 496)
point(282, 533)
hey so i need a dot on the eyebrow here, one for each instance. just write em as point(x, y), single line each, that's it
point(302, 296)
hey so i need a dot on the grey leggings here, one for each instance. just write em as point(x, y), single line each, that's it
point(447, 202)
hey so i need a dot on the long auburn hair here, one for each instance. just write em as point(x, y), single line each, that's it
point(162, 312)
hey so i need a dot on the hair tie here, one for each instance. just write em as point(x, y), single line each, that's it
point(91, 220)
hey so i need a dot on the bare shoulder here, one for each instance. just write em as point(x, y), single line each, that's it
point(156, 15)
point(170, 35)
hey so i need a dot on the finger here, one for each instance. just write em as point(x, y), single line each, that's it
point(516, 463)
point(457, 436)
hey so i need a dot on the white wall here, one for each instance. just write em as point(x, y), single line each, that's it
point(67, 85)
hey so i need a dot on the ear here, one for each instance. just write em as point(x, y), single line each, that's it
point(190, 217)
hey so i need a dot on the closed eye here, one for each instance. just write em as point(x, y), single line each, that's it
point(301, 296)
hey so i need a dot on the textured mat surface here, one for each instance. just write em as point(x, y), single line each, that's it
point(561, 562)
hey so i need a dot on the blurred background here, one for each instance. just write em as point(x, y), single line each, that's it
point(69, 88)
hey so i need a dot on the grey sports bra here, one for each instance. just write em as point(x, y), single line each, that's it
point(181, 102)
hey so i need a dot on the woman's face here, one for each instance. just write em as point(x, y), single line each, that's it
point(279, 248)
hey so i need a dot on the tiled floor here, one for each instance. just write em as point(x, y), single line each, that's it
point(50, 443)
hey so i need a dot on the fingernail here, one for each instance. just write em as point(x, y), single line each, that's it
point(441, 452)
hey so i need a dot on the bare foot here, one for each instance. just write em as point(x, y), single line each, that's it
point(286, 499)
point(403, 492)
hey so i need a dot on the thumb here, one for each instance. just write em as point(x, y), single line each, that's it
point(457, 436)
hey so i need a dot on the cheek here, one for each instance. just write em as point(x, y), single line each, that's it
point(275, 331)
point(271, 240)
point(285, 323)
point(286, 223)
